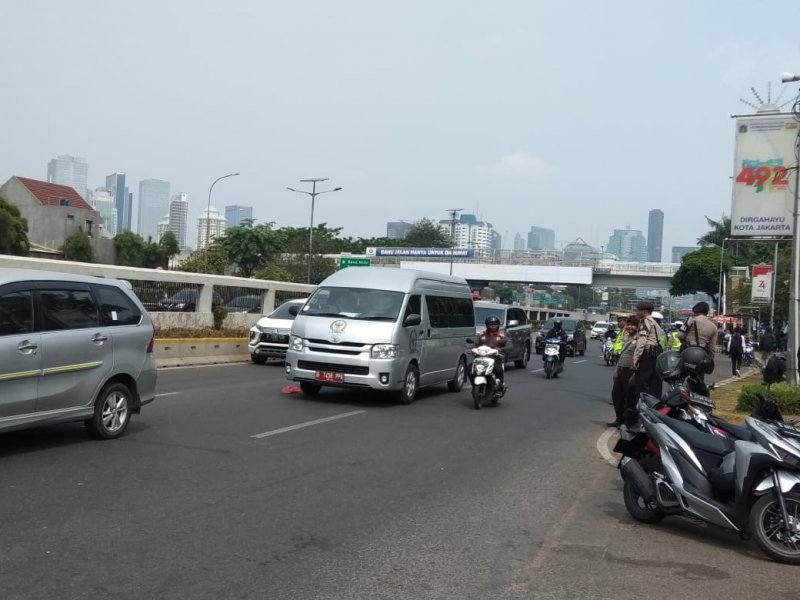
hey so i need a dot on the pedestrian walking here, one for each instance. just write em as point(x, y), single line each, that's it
point(736, 351)
point(767, 344)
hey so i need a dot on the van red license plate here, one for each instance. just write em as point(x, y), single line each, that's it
point(329, 376)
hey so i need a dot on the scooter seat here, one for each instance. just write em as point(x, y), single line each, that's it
point(708, 442)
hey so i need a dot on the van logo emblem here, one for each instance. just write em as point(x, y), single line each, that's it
point(338, 326)
point(335, 338)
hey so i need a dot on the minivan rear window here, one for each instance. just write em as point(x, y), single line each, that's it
point(116, 308)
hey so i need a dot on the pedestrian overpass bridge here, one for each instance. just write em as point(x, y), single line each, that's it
point(603, 274)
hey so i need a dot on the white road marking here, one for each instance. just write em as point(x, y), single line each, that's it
point(167, 394)
point(306, 424)
point(602, 447)
point(537, 370)
point(577, 362)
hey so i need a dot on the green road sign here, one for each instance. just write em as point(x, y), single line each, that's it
point(354, 261)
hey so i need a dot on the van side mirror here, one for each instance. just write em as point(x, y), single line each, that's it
point(412, 320)
point(513, 323)
point(294, 309)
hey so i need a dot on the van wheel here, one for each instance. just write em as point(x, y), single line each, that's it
point(310, 389)
point(111, 412)
point(457, 382)
point(259, 360)
point(583, 350)
point(526, 357)
point(410, 384)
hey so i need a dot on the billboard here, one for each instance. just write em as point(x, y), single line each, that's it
point(423, 252)
point(762, 199)
point(761, 292)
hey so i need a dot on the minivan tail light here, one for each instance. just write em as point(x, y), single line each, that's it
point(151, 344)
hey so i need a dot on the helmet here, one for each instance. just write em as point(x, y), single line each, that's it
point(669, 365)
point(657, 315)
point(557, 324)
point(492, 320)
point(696, 359)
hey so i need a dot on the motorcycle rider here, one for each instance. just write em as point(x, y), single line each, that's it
point(611, 332)
point(494, 338)
point(557, 331)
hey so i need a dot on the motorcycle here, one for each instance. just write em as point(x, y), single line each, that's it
point(670, 467)
point(749, 354)
point(608, 352)
point(552, 362)
point(485, 385)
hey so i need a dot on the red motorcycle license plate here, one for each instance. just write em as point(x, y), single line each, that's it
point(329, 376)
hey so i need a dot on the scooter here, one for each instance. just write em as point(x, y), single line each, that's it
point(485, 385)
point(552, 362)
point(608, 352)
point(752, 487)
point(749, 354)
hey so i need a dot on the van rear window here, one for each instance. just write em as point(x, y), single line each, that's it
point(445, 311)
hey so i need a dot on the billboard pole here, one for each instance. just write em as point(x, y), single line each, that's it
point(794, 292)
point(772, 292)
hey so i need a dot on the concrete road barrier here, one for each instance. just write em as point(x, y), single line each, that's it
point(183, 352)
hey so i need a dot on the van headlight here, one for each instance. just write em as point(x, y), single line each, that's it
point(253, 334)
point(384, 351)
point(296, 343)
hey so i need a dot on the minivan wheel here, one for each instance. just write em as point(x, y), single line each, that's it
point(111, 412)
point(408, 392)
point(457, 382)
point(310, 389)
point(526, 357)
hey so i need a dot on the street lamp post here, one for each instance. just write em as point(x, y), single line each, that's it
point(208, 211)
point(720, 304)
point(453, 214)
point(313, 193)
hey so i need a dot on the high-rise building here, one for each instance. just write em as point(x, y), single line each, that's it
point(655, 234)
point(103, 202)
point(397, 230)
point(469, 232)
point(210, 225)
point(540, 238)
point(519, 242)
point(71, 171)
point(163, 227)
point(628, 244)
point(678, 252)
point(179, 217)
point(153, 204)
point(236, 215)
point(115, 183)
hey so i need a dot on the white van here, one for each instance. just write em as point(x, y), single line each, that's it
point(385, 329)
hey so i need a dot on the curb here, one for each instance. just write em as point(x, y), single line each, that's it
point(603, 446)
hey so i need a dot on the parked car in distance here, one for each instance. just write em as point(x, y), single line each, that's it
point(185, 300)
point(514, 323)
point(269, 338)
point(576, 335)
point(72, 348)
point(598, 330)
point(244, 304)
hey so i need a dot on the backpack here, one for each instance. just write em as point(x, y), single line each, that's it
point(737, 343)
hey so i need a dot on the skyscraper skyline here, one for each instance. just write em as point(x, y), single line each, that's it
point(103, 202)
point(655, 234)
point(211, 224)
point(628, 244)
point(115, 183)
point(397, 230)
point(153, 205)
point(236, 215)
point(540, 238)
point(70, 170)
point(179, 217)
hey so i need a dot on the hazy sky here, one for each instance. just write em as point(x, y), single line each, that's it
point(578, 116)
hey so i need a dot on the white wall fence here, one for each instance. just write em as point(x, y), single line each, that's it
point(152, 285)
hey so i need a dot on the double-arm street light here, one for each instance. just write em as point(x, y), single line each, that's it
point(313, 193)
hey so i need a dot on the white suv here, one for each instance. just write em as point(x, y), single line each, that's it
point(269, 338)
point(598, 330)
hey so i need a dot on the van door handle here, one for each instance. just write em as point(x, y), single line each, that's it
point(99, 338)
point(27, 347)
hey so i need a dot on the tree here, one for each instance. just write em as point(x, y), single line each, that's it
point(426, 234)
point(13, 230)
point(274, 273)
point(719, 231)
point(699, 272)
point(153, 255)
point(252, 247)
point(212, 260)
point(130, 249)
point(169, 244)
point(78, 247)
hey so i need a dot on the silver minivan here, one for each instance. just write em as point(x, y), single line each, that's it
point(72, 348)
point(385, 329)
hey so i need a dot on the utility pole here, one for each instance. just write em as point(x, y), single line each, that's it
point(453, 214)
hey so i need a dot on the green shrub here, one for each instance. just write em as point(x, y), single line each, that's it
point(786, 394)
point(219, 312)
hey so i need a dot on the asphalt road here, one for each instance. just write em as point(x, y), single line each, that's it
point(351, 496)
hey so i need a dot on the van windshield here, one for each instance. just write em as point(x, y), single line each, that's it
point(354, 303)
point(484, 312)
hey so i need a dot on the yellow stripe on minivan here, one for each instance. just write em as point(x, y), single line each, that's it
point(71, 368)
point(20, 375)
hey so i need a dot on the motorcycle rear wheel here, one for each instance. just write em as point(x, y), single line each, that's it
point(638, 508)
point(765, 526)
point(477, 395)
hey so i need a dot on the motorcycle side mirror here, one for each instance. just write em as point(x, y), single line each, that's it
point(412, 320)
